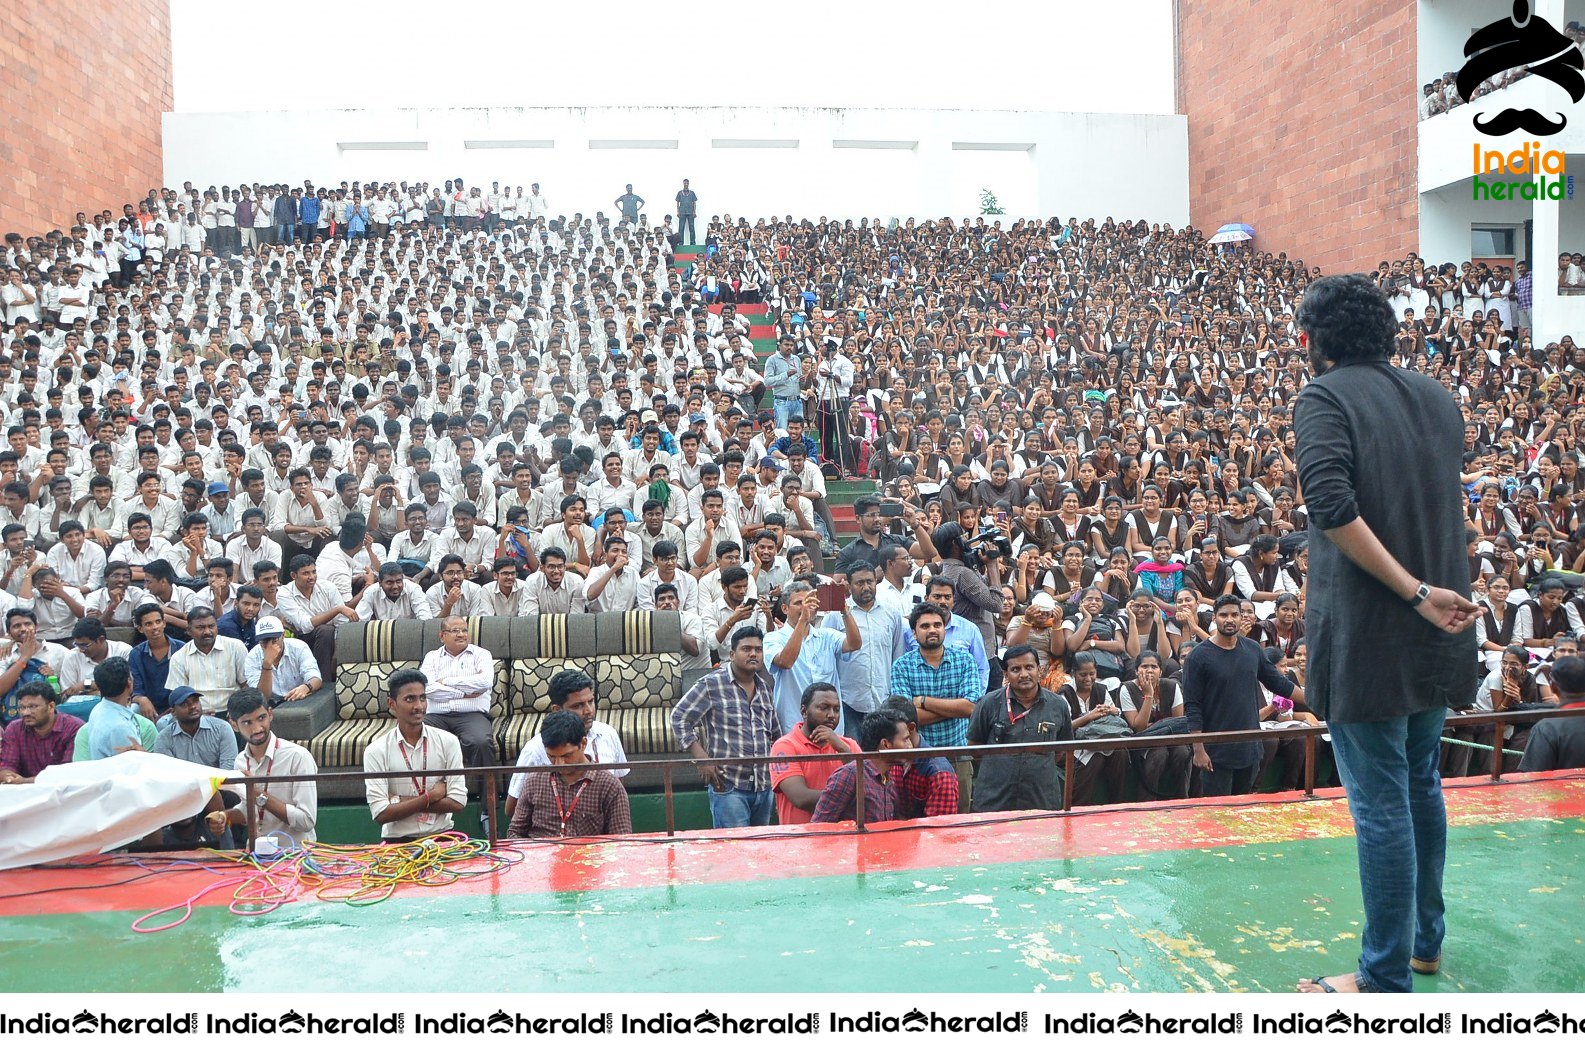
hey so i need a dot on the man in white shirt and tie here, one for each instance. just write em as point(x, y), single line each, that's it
point(459, 674)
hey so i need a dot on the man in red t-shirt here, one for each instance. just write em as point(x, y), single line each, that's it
point(798, 784)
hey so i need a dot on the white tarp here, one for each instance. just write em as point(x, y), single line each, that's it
point(91, 807)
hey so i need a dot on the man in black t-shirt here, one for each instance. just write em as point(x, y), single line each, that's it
point(1221, 694)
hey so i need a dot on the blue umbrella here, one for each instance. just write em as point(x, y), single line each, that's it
point(1233, 233)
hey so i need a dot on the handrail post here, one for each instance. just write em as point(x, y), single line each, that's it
point(1067, 780)
point(671, 802)
point(253, 817)
point(1309, 763)
point(1498, 733)
point(488, 801)
point(858, 793)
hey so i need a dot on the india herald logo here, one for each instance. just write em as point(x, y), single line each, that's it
point(1522, 40)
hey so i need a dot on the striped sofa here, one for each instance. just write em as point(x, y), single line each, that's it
point(633, 658)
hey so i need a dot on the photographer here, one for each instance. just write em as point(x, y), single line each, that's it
point(1020, 713)
point(978, 586)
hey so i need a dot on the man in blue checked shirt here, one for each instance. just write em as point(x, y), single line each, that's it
point(942, 680)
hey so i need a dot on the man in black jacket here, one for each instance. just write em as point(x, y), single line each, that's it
point(1388, 612)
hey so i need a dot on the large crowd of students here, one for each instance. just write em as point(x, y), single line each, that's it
point(240, 417)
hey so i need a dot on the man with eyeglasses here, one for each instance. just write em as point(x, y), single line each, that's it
point(459, 675)
point(90, 648)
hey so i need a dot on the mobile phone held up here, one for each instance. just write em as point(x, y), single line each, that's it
point(891, 510)
point(832, 597)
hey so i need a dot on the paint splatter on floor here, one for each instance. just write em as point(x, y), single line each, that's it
point(1189, 899)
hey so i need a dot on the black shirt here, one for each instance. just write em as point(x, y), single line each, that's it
point(862, 552)
point(1555, 743)
point(1221, 695)
point(1382, 444)
point(1008, 782)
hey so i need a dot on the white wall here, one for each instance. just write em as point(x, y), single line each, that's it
point(807, 162)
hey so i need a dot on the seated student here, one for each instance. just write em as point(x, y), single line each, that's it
point(253, 546)
point(569, 802)
point(454, 594)
point(926, 787)
point(570, 690)
point(29, 657)
point(90, 648)
point(313, 610)
point(882, 731)
point(41, 736)
point(798, 784)
point(281, 668)
point(113, 604)
point(410, 804)
point(394, 597)
point(150, 659)
point(242, 622)
point(115, 725)
point(290, 806)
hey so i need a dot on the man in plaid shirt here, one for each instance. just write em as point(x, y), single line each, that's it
point(926, 787)
point(881, 731)
point(733, 708)
point(941, 680)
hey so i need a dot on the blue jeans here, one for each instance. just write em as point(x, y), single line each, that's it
point(785, 407)
point(1389, 770)
point(285, 232)
point(740, 809)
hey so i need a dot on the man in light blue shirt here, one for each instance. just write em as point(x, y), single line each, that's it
point(112, 726)
point(865, 677)
point(782, 375)
point(798, 653)
point(283, 669)
point(960, 632)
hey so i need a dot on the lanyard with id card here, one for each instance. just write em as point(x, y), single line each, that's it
point(424, 818)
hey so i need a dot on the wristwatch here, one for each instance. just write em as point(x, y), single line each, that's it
point(1421, 593)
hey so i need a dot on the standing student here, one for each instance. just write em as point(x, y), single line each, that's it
point(1388, 613)
point(1221, 680)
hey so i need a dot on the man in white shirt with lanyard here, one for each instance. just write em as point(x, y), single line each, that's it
point(569, 690)
point(459, 674)
point(409, 803)
point(291, 806)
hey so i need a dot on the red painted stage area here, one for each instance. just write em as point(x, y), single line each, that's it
point(752, 855)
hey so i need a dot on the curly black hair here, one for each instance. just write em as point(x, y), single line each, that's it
point(1347, 318)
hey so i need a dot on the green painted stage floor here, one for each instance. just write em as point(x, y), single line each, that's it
point(1197, 898)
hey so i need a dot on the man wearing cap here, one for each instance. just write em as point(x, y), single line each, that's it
point(223, 514)
point(192, 736)
point(282, 668)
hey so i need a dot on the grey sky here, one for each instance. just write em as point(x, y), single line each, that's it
point(366, 54)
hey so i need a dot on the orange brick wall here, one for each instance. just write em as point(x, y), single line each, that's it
point(83, 87)
point(1302, 123)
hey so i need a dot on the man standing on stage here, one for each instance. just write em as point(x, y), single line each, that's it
point(1388, 612)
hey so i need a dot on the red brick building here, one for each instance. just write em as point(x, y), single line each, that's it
point(1302, 123)
point(83, 88)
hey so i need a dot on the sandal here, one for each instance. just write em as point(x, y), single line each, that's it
point(1426, 967)
point(1323, 984)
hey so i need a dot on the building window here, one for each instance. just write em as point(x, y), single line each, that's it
point(1489, 241)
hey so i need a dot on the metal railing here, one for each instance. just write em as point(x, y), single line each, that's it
point(1063, 750)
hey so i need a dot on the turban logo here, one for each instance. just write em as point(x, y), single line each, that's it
point(1529, 41)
